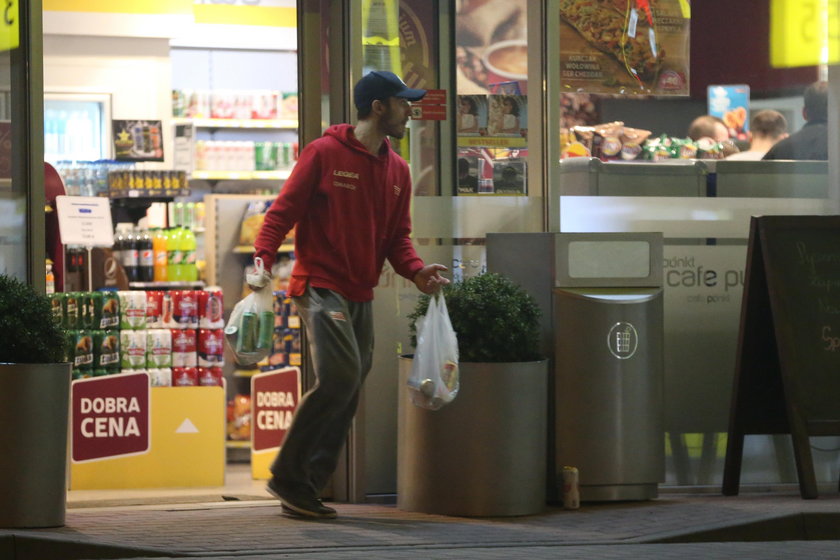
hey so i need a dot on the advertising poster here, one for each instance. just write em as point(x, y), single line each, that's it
point(491, 47)
point(732, 105)
point(624, 46)
point(140, 140)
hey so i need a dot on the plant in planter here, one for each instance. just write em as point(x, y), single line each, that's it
point(494, 318)
point(483, 454)
point(34, 399)
point(29, 332)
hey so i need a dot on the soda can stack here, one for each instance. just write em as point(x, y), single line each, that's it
point(184, 348)
point(211, 347)
point(184, 376)
point(132, 310)
point(158, 348)
point(160, 377)
point(133, 345)
point(210, 309)
point(80, 352)
point(184, 309)
point(210, 376)
point(110, 313)
point(154, 309)
point(571, 488)
point(106, 352)
point(285, 335)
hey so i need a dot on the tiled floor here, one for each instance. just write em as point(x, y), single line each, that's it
point(240, 521)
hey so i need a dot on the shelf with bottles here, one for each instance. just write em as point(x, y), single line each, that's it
point(164, 285)
point(249, 249)
point(276, 124)
point(242, 159)
point(278, 174)
point(249, 106)
point(157, 257)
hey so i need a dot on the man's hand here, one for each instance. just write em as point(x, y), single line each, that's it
point(428, 279)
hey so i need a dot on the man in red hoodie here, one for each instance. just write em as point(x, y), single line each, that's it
point(349, 195)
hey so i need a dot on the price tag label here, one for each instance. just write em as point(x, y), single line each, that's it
point(85, 220)
point(10, 28)
point(804, 33)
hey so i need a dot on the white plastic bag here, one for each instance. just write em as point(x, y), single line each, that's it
point(434, 372)
point(250, 328)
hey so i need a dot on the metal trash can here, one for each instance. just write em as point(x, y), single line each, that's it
point(609, 378)
point(34, 406)
point(601, 298)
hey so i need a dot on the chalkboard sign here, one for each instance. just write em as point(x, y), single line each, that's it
point(787, 378)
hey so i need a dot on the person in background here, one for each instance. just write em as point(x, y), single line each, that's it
point(349, 196)
point(713, 128)
point(766, 128)
point(707, 126)
point(811, 142)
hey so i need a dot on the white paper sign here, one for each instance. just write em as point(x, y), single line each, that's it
point(85, 220)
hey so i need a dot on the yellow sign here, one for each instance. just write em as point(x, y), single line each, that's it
point(186, 448)
point(804, 32)
point(10, 30)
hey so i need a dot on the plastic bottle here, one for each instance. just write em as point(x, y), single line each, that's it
point(119, 239)
point(174, 263)
point(50, 278)
point(146, 261)
point(160, 255)
point(129, 255)
point(189, 272)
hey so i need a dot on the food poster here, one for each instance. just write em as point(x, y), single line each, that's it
point(140, 140)
point(624, 46)
point(492, 83)
point(491, 47)
point(732, 105)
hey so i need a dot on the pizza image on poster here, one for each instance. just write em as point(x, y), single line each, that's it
point(624, 46)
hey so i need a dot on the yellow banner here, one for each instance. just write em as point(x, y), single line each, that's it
point(10, 30)
point(165, 7)
point(187, 446)
point(804, 32)
point(270, 16)
point(236, 14)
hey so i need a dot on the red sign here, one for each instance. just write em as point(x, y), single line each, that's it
point(110, 416)
point(433, 97)
point(431, 108)
point(274, 399)
point(428, 112)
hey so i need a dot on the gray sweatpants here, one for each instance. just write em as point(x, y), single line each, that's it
point(340, 337)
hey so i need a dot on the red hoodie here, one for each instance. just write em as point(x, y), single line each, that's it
point(352, 212)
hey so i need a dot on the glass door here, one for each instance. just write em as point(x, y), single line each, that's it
point(21, 144)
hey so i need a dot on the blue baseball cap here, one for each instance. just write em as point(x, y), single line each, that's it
point(381, 84)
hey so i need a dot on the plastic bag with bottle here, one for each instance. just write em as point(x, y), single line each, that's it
point(250, 328)
point(434, 379)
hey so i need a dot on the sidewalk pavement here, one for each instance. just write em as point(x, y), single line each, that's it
point(766, 525)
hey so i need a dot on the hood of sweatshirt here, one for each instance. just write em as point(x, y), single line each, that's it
point(344, 133)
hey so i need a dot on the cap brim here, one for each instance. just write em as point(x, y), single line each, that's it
point(411, 94)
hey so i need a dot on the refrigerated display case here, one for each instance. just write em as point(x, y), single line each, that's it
point(77, 126)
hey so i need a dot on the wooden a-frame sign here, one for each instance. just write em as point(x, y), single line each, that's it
point(787, 373)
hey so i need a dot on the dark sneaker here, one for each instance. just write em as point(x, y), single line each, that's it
point(299, 502)
point(330, 513)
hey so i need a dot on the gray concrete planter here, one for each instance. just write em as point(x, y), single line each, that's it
point(482, 455)
point(34, 403)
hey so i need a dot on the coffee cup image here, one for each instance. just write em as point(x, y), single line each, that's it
point(507, 61)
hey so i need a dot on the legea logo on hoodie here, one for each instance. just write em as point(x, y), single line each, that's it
point(347, 175)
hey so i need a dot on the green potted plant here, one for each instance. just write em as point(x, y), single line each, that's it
point(483, 454)
point(35, 381)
